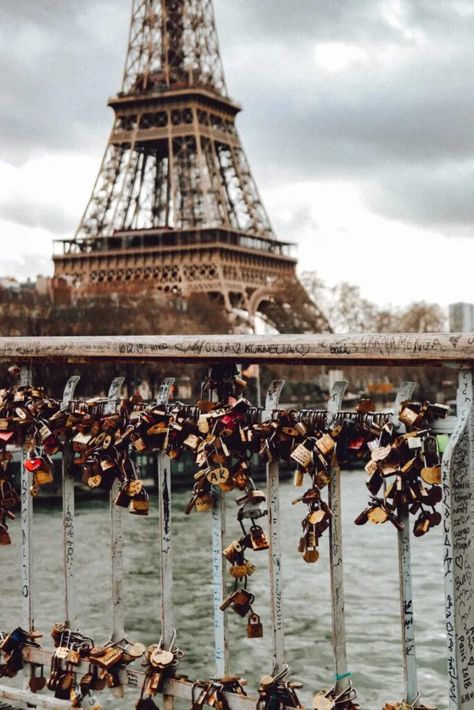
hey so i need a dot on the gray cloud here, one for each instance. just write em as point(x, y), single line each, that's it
point(397, 123)
point(30, 214)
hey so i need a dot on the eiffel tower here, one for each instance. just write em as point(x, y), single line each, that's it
point(174, 207)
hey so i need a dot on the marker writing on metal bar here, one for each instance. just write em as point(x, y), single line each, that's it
point(274, 553)
point(68, 516)
point(166, 558)
point(335, 552)
point(404, 392)
point(116, 533)
point(26, 529)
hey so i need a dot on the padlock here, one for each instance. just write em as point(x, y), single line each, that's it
point(137, 442)
point(422, 525)
point(377, 514)
point(42, 477)
point(218, 475)
point(204, 502)
point(5, 538)
point(233, 551)
point(302, 455)
point(140, 505)
point(325, 444)
point(298, 477)
point(254, 627)
point(258, 539)
point(431, 474)
point(236, 571)
point(133, 488)
point(106, 658)
point(241, 601)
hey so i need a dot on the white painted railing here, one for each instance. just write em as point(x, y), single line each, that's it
point(458, 481)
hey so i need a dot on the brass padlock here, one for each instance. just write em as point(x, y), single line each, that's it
point(204, 502)
point(43, 476)
point(140, 504)
point(325, 444)
point(107, 658)
point(254, 627)
point(422, 525)
point(237, 571)
point(298, 477)
point(431, 474)
point(377, 514)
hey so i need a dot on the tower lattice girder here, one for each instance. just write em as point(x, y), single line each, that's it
point(174, 206)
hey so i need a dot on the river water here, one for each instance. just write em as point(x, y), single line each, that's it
point(371, 587)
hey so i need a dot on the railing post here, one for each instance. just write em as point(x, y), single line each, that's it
point(335, 552)
point(26, 529)
point(166, 558)
point(68, 515)
point(116, 532)
point(274, 555)
point(404, 392)
point(221, 651)
point(458, 482)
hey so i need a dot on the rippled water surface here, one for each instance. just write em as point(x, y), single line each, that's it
point(371, 586)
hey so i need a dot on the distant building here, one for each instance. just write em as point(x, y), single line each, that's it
point(9, 282)
point(461, 317)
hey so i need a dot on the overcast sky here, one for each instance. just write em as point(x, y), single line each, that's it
point(358, 124)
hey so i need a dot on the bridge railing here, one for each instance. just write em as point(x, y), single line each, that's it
point(455, 350)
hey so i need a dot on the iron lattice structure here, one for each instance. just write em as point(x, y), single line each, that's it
point(174, 206)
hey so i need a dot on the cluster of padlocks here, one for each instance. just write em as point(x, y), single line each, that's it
point(105, 664)
point(224, 435)
point(66, 679)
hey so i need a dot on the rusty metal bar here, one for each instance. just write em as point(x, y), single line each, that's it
point(381, 348)
point(116, 532)
point(26, 529)
point(335, 553)
point(166, 557)
point(68, 516)
point(274, 555)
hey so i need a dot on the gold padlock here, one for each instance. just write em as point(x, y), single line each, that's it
point(204, 502)
point(43, 476)
point(140, 504)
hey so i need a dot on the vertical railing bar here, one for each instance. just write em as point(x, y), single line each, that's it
point(463, 408)
point(405, 392)
point(335, 552)
point(221, 652)
point(274, 553)
point(457, 482)
point(218, 532)
point(166, 556)
point(26, 528)
point(116, 532)
point(69, 515)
